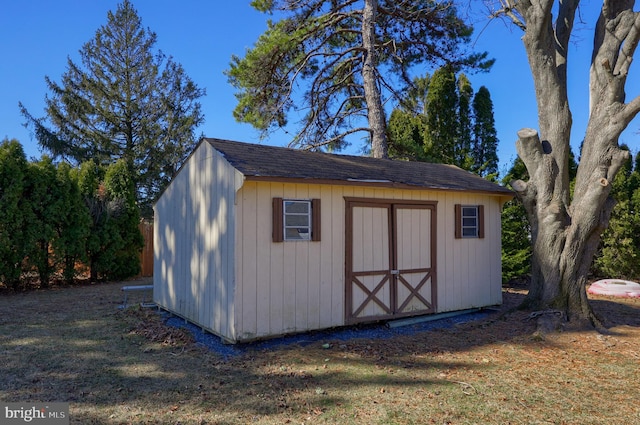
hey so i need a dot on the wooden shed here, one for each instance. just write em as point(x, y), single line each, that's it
point(254, 241)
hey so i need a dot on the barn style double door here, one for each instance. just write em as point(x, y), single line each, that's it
point(390, 259)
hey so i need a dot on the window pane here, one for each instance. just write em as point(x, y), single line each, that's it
point(296, 207)
point(469, 211)
point(469, 232)
point(469, 222)
point(296, 220)
point(295, 233)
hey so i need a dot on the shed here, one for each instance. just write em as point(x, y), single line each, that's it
point(254, 241)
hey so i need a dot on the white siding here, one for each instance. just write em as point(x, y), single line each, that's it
point(298, 286)
point(194, 239)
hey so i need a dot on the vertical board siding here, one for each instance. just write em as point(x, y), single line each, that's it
point(315, 261)
point(194, 239)
point(215, 262)
point(414, 252)
point(298, 286)
point(370, 238)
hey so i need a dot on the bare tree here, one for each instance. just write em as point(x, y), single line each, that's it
point(566, 228)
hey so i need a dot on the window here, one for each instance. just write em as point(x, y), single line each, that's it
point(296, 220)
point(469, 221)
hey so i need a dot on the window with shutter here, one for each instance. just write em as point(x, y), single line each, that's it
point(296, 220)
point(469, 221)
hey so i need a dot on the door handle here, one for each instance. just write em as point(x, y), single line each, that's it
point(395, 271)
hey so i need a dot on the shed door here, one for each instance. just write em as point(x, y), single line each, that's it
point(390, 267)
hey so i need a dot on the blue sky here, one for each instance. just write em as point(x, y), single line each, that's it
point(37, 36)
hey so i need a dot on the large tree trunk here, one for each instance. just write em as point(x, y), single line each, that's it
point(566, 230)
point(375, 111)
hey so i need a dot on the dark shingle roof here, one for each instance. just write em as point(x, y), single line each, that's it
point(262, 161)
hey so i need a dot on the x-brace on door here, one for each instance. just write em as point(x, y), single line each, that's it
point(390, 259)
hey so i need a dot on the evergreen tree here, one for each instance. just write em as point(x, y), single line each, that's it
point(94, 196)
point(122, 255)
point(73, 226)
point(407, 123)
point(14, 225)
point(463, 153)
point(115, 241)
point(46, 208)
point(436, 122)
point(415, 99)
point(123, 101)
point(516, 231)
point(619, 252)
point(442, 129)
point(327, 58)
point(485, 140)
point(406, 136)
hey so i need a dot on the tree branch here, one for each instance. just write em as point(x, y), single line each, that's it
point(334, 139)
point(529, 149)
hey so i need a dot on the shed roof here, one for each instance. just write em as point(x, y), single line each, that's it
point(262, 162)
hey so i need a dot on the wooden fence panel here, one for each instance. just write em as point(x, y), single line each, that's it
point(146, 256)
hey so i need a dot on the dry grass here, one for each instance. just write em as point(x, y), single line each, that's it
point(126, 367)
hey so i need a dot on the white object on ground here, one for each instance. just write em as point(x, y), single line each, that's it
point(616, 288)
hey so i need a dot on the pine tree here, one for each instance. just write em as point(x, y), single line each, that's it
point(340, 61)
point(123, 101)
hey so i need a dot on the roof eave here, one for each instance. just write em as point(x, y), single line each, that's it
point(377, 184)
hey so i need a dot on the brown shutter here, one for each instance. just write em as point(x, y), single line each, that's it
point(278, 227)
point(315, 220)
point(458, 219)
point(481, 221)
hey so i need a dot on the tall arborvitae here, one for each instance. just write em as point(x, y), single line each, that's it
point(465, 123)
point(72, 228)
point(442, 129)
point(114, 242)
point(440, 120)
point(14, 224)
point(123, 220)
point(406, 126)
point(46, 202)
point(485, 141)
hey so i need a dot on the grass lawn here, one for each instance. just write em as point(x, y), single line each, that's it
point(125, 367)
